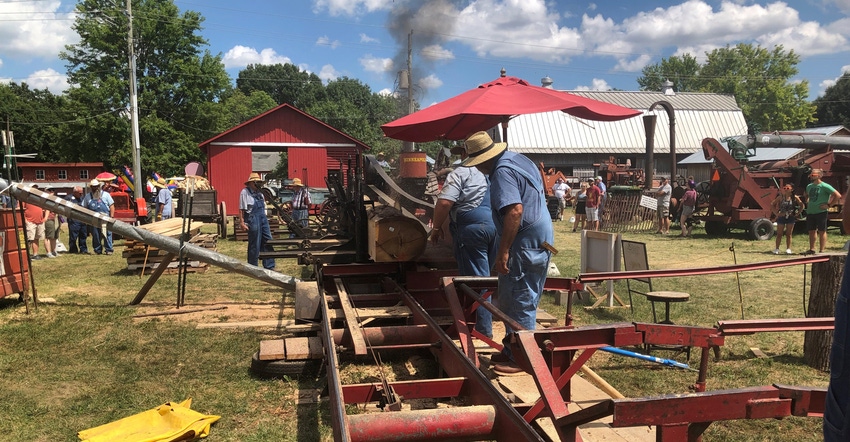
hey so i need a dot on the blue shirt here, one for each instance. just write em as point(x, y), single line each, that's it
point(508, 187)
point(164, 198)
point(466, 187)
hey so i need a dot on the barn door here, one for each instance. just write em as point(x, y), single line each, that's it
point(309, 164)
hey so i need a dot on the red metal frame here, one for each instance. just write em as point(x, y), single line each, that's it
point(552, 356)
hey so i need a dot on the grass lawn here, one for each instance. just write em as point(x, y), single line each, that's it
point(85, 361)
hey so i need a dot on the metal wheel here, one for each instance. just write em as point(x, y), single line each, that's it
point(761, 229)
point(222, 220)
point(715, 228)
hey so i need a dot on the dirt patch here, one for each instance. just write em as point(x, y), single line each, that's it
point(215, 313)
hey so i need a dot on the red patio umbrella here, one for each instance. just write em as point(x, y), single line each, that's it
point(492, 103)
point(105, 177)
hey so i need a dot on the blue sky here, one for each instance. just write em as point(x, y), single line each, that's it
point(459, 44)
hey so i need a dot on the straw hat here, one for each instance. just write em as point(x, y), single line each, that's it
point(95, 183)
point(254, 178)
point(160, 182)
point(296, 182)
point(480, 148)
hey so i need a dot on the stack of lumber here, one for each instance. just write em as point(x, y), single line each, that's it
point(278, 229)
point(145, 258)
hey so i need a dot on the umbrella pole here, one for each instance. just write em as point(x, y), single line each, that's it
point(505, 129)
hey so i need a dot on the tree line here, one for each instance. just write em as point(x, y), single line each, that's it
point(185, 96)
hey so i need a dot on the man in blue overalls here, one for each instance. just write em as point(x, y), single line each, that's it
point(99, 200)
point(518, 203)
point(465, 202)
point(252, 208)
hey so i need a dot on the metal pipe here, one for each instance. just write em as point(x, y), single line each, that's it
point(643, 357)
point(70, 210)
point(465, 423)
point(640, 274)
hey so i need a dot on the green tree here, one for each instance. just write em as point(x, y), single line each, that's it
point(833, 107)
point(32, 115)
point(176, 80)
point(285, 83)
point(760, 80)
point(681, 70)
point(236, 108)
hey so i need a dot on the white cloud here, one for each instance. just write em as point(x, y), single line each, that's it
point(430, 82)
point(534, 29)
point(597, 84)
point(437, 53)
point(371, 63)
point(831, 81)
point(48, 79)
point(633, 65)
point(328, 73)
point(367, 39)
point(241, 56)
point(351, 7)
point(35, 29)
point(325, 41)
point(843, 5)
point(386, 92)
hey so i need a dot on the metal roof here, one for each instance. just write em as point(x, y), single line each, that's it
point(698, 115)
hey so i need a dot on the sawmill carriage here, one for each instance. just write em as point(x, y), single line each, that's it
point(739, 194)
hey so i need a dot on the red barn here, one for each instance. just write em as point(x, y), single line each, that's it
point(62, 177)
point(313, 148)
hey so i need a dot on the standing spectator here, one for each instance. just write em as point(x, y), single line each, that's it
point(663, 209)
point(562, 192)
point(252, 206)
point(820, 196)
point(51, 231)
point(465, 202)
point(164, 207)
point(34, 219)
point(581, 208)
point(518, 203)
point(591, 205)
point(603, 198)
point(78, 231)
point(99, 200)
point(300, 203)
point(689, 203)
point(786, 207)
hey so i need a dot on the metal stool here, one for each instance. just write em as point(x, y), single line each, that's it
point(667, 297)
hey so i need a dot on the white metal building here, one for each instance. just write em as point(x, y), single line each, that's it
point(573, 145)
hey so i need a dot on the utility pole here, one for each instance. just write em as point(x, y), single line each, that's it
point(408, 146)
point(134, 108)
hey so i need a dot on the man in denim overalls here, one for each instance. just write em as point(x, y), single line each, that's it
point(518, 203)
point(465, 202)
point(99, 200)
point(252, 208)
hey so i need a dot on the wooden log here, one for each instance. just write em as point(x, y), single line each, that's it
point(826, 282)
point(394, 237)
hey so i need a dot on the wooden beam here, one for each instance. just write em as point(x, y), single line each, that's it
point(352, 322)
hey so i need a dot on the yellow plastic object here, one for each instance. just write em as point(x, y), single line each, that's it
point(168, 422)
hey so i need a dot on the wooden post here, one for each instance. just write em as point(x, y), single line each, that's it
point(826, 282)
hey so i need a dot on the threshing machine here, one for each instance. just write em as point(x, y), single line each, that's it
point(739, 194)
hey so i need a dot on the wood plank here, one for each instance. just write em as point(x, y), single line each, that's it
point(272, 350)
point(297, 349)
point(277, 323)
point(584, 394)
point(351, 319)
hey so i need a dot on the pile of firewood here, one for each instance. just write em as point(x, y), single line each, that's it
point(144, 258)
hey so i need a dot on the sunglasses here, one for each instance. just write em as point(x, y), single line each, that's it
point(788, 188)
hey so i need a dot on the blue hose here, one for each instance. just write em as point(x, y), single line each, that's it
point(631, 354)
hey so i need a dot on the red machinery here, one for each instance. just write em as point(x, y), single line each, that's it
point(127, 210)
point(739, 195)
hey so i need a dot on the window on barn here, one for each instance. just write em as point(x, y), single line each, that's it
point(39, 174)
point(63, 174)
point(84, 174)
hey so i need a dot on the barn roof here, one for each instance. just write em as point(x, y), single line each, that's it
point(281, 127)
point(698, 115)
